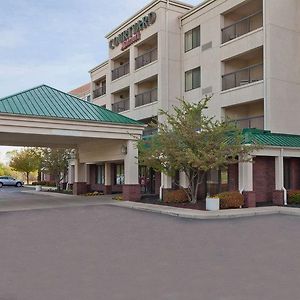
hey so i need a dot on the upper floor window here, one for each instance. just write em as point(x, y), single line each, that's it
point(192, 79)
point(192, 39)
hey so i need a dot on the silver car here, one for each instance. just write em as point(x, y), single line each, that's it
point(8, 180)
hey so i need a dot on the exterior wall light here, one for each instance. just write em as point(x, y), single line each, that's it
point(124, 149)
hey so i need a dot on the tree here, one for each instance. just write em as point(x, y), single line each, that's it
point(25, 161)
point(192, 142)
point(55, 162)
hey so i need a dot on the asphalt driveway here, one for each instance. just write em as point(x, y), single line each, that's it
point(113, 253)
point(25, 198)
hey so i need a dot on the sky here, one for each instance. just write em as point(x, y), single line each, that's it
point(56, 42)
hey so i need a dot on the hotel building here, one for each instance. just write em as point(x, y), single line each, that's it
point(243, 53)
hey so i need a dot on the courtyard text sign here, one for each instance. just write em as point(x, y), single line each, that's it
point(133, 33)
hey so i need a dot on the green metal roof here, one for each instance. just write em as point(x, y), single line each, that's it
point(45, 101)
point(267, 138)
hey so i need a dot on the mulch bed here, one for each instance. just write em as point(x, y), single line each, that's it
point(199, 205)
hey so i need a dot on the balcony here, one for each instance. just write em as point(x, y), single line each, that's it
point(120, 71)
point(146, 58)
point(100, 91)
point(146, 97)
point(242, 77)
point(242, 27)
point(250, 122)
point(120, 106)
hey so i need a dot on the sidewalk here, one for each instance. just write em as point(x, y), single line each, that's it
point(205, 215)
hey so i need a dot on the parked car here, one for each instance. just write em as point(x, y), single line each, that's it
point(7, 180)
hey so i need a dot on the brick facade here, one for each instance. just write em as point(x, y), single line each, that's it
point(294, 173)
point(233, 177)
point(278, 198)
point(250, 199)
point(79, 188)
point(264, 178)
point(131, 192)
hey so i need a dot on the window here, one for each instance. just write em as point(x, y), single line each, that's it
point(88, 98)
point(192, 79)
point(192, 39)
point(100, 174)
point(119, 174)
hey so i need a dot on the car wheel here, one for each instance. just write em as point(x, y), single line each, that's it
point(19, 184)
point(1, 184)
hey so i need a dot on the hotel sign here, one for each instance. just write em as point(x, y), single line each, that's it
point(133, 33)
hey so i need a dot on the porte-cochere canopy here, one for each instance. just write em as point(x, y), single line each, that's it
point(45, 101)
point(45, 116)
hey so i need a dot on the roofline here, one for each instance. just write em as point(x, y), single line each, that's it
point(147, 7)
point(114, 124)
point(98, 66)
point(197, 8)
point(23, 91)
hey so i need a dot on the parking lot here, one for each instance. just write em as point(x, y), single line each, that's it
point(112, 253)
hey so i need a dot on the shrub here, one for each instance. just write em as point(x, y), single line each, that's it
point(294, 197)
point(175, 196)
point(230, 200)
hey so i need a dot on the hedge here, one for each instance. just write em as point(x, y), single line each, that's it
point(294, 197)
point(175, 196)
point(230, 200)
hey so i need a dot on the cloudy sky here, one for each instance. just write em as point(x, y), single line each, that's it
point(56, 42)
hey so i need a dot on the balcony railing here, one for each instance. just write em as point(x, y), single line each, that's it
point(120, 71)
point(242, 27)
point(120, 106)
point(251, 122)
point(243, 76)
point(146, 97)
point(100, 91)
point(146, 58)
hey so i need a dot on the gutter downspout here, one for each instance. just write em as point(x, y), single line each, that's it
point(282, 180)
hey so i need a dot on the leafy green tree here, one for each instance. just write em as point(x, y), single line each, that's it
point(25, 161)
point(192, 142)
point(5, 170)
point(55, 162)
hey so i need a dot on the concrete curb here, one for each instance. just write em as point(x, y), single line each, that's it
point(209, 215)
point(52, 194)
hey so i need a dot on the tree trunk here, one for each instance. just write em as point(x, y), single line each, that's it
point(39, 176)
point(27, 177)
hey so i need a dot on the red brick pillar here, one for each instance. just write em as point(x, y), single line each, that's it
point(131, 192)
point(233, 177)
point(278, 198)
point(250, 199)
point(107, 190)
point(79, 188)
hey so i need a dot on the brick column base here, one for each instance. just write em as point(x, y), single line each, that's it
point(131, 192)
point(278, 198)
point(107, 190)
point(250, 199)
point(79, 188)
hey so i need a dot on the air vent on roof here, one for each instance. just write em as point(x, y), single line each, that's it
point(207, 46)
point(207, 90)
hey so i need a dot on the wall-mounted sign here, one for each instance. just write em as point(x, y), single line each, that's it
point(133, 33)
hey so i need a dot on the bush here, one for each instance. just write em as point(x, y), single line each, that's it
point(231, 200)
point(294, 197)
point(175, 196)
